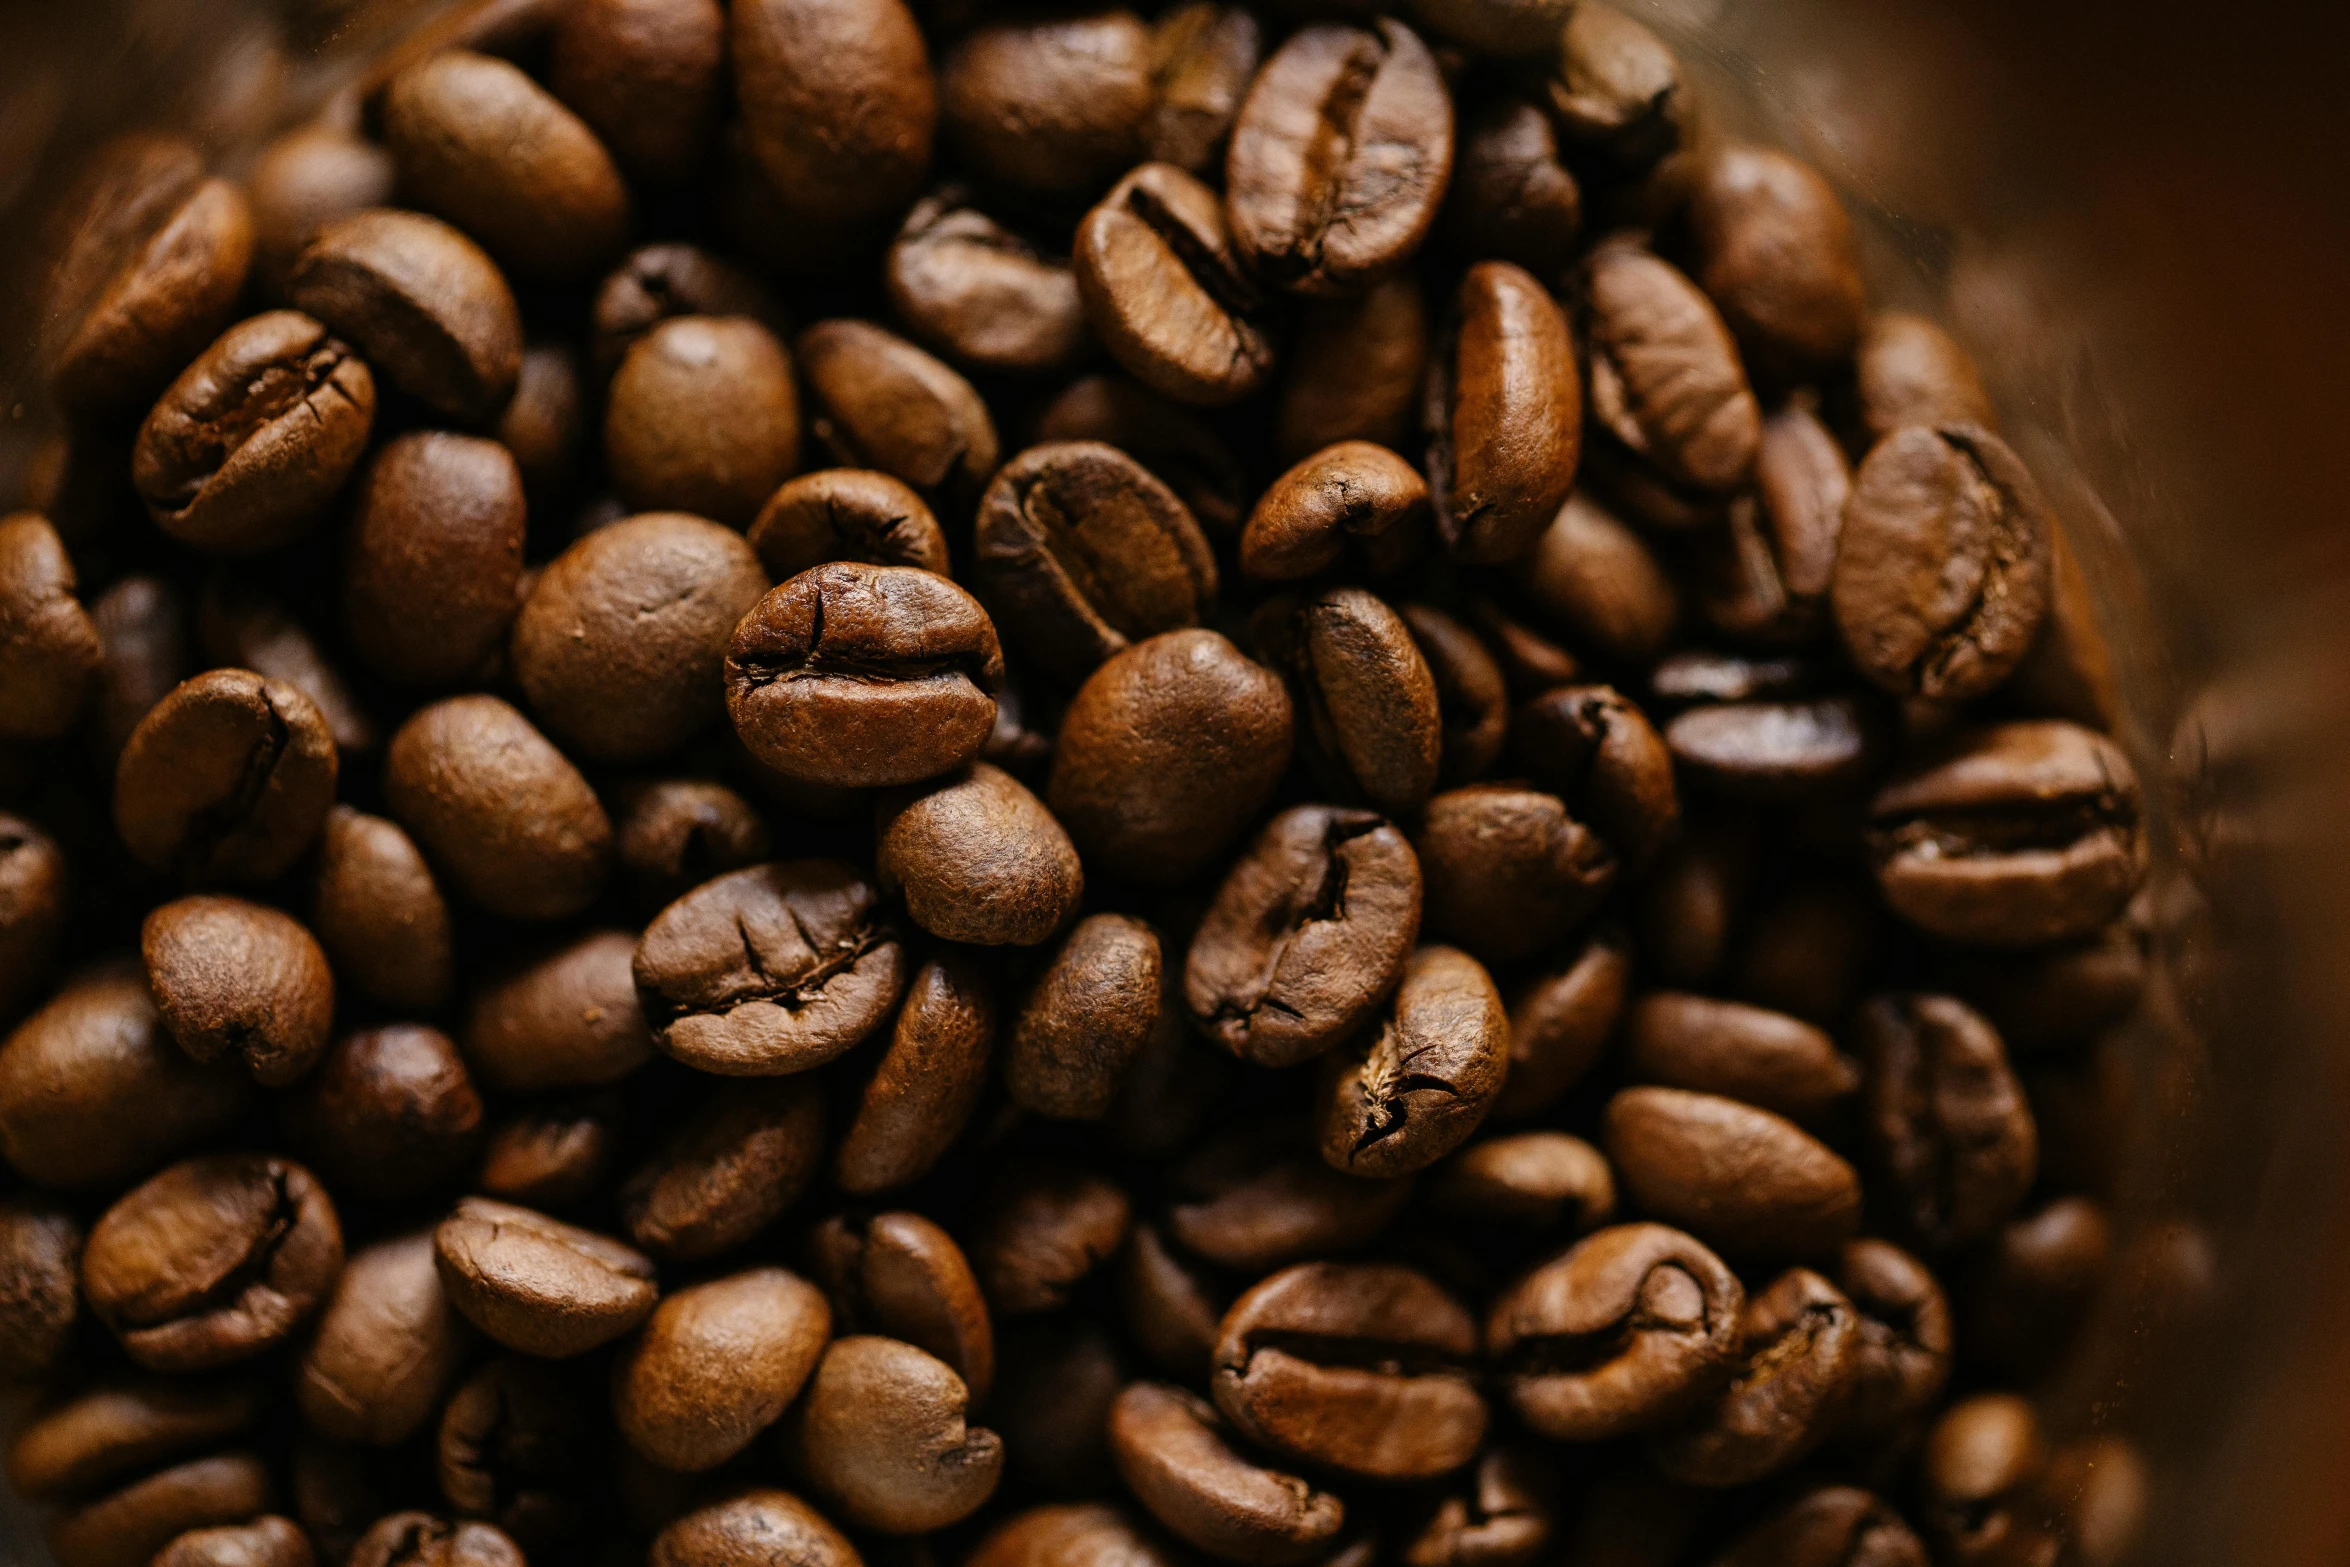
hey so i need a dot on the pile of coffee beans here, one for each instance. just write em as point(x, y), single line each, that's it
point(799, 783)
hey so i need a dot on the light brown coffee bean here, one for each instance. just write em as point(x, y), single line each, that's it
point(929, 1080)
point(1775, 251)
point(387, 1347)
point(1055, 104)
point(241, 984)
point(877, 401)
point(1365, 695)
point(1596, 581)
point(538, 1285)
point(716, 1365)
point(1350, 493)
point(1503, 416)
point(1742, 1052)
point(1748, 1181)
point(1666, 383)
point(1799, 1339)
point(1165, 291)
point(1177, 1457)
point(881, 1433)
point(1530, 1180)
point(655, 283)
point(745, 1527)
point(901, 1275)
point(1508, 871)
point(980, 293)
point(847, 514)
point(978, 859)
point(1414, 1085)
point(1596, 751)
point(1203, 57)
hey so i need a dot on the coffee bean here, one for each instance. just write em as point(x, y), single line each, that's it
point(1903, 1358)
point(255, 437)
point(1359, 1367)
point(1910, 371)
point(239, 626)
point(1080, 1534)
point(143, 651)
point(503, 812)
point(1982, 1461)
point(388, 1346)
point(1559, 1023)
point(133, 1524)
point(1165, 291)
point(2011, 836)
point(2055, 996)
point(1694, 895)
point(417, 1539)
point(847, 514)
point(1508, 870)
point(239, 983)
point(734, 1164)
point(769, 971)
point(1946, 1118)
point(1339, 157)
point(1774, 250)
point(1596, 580)
point(555, 1155)
point(1767, 578)
point(1758, 1057)
point(1503, 415)
point(1597, 751)
point(928, 1082)
point(1050, 105)
point(854, 675)
point(119, 1426)
point(1511, 198)
point(48, 648)
point(717, 1364)
point(1472, 699)
point(839, 102)
point(703, 417)
point(226, 779)
point(1665, 379)
point(432, 570)
point(1412, 1087)
point(1530, 1180)
point(1776, 752)
point(979, 292)
point(304, 180)
point(656, 283)
point(428, 309)
point(1736, 1176)
point(1176, 1455)
point(379, 914)
point(756, 1523)
point(647, 76)
point(1799, 1339)
point(877, 401)
point(1170, 1308)
point(1502, 1511)
point(1166, 753)
point(1530, 661)
point(1832, 1526)
point(567, 1018)
point(268, 1541)
point(1356, 370)
point(1352, 492)
point(1254, 1205)
point(1203, 56)
point(536, 1284)
point(389, 1113)
point(901, 1275)
point(881, 1433)
point(675, 833)
point(511, 1442)
point(40, 1272)
point(1369, 703)
point(978, 859)
point(1045, 1228)
point(1168, 439)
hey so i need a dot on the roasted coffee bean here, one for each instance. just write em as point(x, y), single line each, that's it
point(503, 812)
point(1359, 1367)
point(1665, 378)
point(1500, 1514)
point(1508, 871)
point(979, 293)
point(1597, 751)
point(1412, 1087)
point(1367, 699)
point(240, 627)
point(255, 437)
point(1472, 697)
point(423, 1540)
point(1905, 1335)
point(564, 1019)
point(716, 1365)
point(1352, 492)
point(746, 1527)
point(1074, 1534)
point(769, 971)
point(1253, 1205)
point(1203, 56)
point(1775, 752)
point(1983, 1460)
point(1694, 895)
point(268, 1541)
point(847, 514)
point(1806, 951)
point(1175, 1454)
point(133, 1524)
point(428, 309)
point(1832, 1526)
point(1166, 753)
point(1165, 291)
point(1908, 370)
point(1559, 1022)
point(978, 859)
point(1767, 577)
point(1596, 581)
point(839, 101)
point(1695, 676)
point(1170, 1308)
point(1046, 1227)
point(881, 1433)
point(1799, 1340)
point(902, 1275)
point(1759, 1057)
point(647, 76)
point(48, 647)
point(1774, 250)
point(658, 282)
point(676, 833)
point(121, 1425)
point(304, 180)
point(387, 1347)
point(538, 1285)
point(1531, 1180)
point(510, 1444)
point(1503, 415)
point(1947, 1119)
point(1309, 932)
point(929, 1079)
point(1340, 157)
point(853, 675)
point(877, 401)
point(40, 1272)
point(554, 1155)
point(1052, 105)
point(389, 1113)
point(1511, 198)
point(734, 1164)
point(1356, 370)
point(1942, 573)
point(1738, 1177)
point(1171, 441)
point(2057, 996)
point(1061, 1374)
point(2016, 835)
point(433, 567)
point(213, 1261)
point(703, 417)
point(239, 983)
point(1530, 661)
point(379, 914)
point(226, 779)
point(143, 651)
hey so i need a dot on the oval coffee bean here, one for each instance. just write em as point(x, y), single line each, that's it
point(1360, 1367)
point(1166, 294)
point(1983, 1460)
point(1903, 1359)
point(978, 859)
point(1596, 751)
point(434, 563)
point(428, 309)
point(1741, 1052)
point(980, 293)
point(744, 1528)
point(268, 1541)
point(1503, 416)
point(877, 401)
point(1740, 1178)
point(379, 914)
point(728, 1170)
point(140, 301)
point(1832, 1526)
point(1559, 1023)
point(838, 101)
point(1080, 1534)
point(647, 76)
point(1053, 105)
point(1174, 1453)
point(1340, 157)
point(1203, 58)
point(304, 180)
point(654, 283)
point(769, 971)
point(121, 1425)
point(1946, 1118)
point(1413, 1087)
point(1616, 91)
point(1909, 371)
point(1775, 252)
point(881, 1433)
point(1593, 579)
point(1350, 492)
point(847, 514)
point(388, 1346)
point(40, 1281)
point(928, 1082)
point(1775, 752)
point(702, 417)
point(676, 833)
point(1045, 1228)
point(1365, 693)
point(225, 779)
point(538, 1285)
point(854, 676)
point(1776, 562)
point(717, 1364)
point(568, 1018)
point(1085, 1019)
point(1171, 441)
point(390, 1112)
point(135, 1523)
point(901, 1275)
point(1356, 370)
point(238, 982)
point(1252, 1205)
point(1508, 870)
point(1665, 378)
point(1799, 1340)
point(48, 647)
point(1534, 1180)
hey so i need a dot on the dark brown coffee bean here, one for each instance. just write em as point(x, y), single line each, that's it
point(1367, 698)
point(1085, 1019)
point(1982, 1464)
point(769, 971)
point(545, 426)
point(1767, 578)
point(2011, 836)
point(1045, 1228)
point(40, 1273)
point(1775, 252)
point(1357, 1367)
point(1503, 415)
point(1559, 1022)
point(676, 833)
point(1807, 950)
point(847, 514)
point(511, 1443)
point(268, 1541)
point(1694, 895)
point(703, 417)
point(1511, 198)
point(304, 180)
point(1596, 750)
point(1340, 157)
point(1061, 1376)
point(387, 1347)
point(239, 983)
point(1170, 1308)
point(1665, 379)
point(565, 1019)
point(655, 283)
point(538, 1285)
point(854, 675)
point(928, 1082)
point(978, 292)
point(423, 1540)
point(1203, 56)
point(839, 102)
point(432, 569)
point(2057, 996)
point(1072, 1534)
point(213, 1261)
point(48, 647)
point(1775, 752)
point(130, 1526)
point(1905, 1335)
point(1412, 1087)
point(1508, 871)
point(1740, 1052)
point(503, 812)
point(716, 1365)
point(2069, 673)
point(379, 914)
point(765, 1523)
point(978, 859)
point(554, 1155)
point(226, 779)
point(1832, 1526)
point(390, 1112)
point(881, 1433)
point(1353, 492)
point(119, 1426)
point(1529, 1180)
point(1165, 291)
point(1597, 582)
point(1175, 1454)
point(1799, 1340)
point(242, 627)
point(255, 437)
point(877, 401)
point(1053, 105)
point(1254, 1204)
point(1910, 371)
point(1167, 752)
point(1165, 437)
point(1942, 574)
point(1356, 370)
point(647, 76)
point(430, 311)
point(1472, 698)
point(1501, 1514)
point(731, 1167)
point(143, 651)
point(902, 1275)
point(1530, 661)
point(1947, 1119)
point(1737, 1177)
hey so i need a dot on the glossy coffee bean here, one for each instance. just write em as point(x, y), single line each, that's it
point(1905, 1334)
point(239, 983)
point(302, 181)
point(1666, 382)
point(901, 1275)
point(847, 514)
point(416, 1539)
point(387, 1347)
point(978, 859)
point(1052, 105)
point(1203, 56)
point(538, 1285)
point(1774, 250)
point(1738, 1177)
point(379, 914)
point(877, 401)
point(1560, 1021)
point(1831, 1526)
point(753, 1524)
point(980, 293)
point(1364, 693)
point(1511, 198)
point(118, 1426)
point(567, 1018)
point(1769, 577)
point(389, 1113)
point(1947, 1119)
point(1356, 370)
point(1595, 580)
point(268, 1541)
point(424, 304)
point(1165, 291)
point(1798, 1339)
point(881, 1434)
point(1908, 370)
point(1416, 1083)
point(226, 779)
point(1597, 751)
point(1776, 753)
point(1508, 871)
point(729, 1167)
point(1352, 492)
point(717, 1364)
point(1529, 1180)
point(702, 416)
point(1982, 1461)
point(929, 1079)
point(1741, 1052)
point(1503, 415)
point(434, 560)
point(1177, 1456)
point(647, 76)
point(40, 1274)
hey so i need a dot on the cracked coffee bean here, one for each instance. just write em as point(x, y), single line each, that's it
point(1165, 293)
point(225, 779)
point(1412, 1087)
